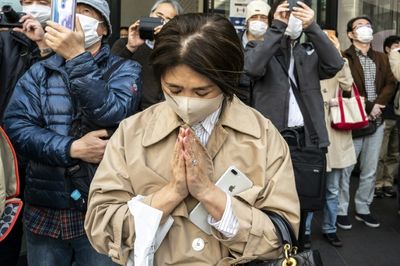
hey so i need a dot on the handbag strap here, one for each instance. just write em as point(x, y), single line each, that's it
point(358, 99)
point(306, 116)
point(283, 228)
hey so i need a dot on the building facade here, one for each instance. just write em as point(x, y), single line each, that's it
point(332, 14)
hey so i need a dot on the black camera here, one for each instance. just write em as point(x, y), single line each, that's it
point(9, 18)
point(293, 3)
point(146, 27)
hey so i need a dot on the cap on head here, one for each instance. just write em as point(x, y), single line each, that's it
point(257, 7)
point(102, 7)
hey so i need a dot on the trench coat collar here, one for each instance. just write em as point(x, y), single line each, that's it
point(235, 115)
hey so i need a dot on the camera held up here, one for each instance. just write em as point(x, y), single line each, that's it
point(9, 18)
point(147, 25)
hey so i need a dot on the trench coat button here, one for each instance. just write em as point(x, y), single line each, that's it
point(198, 244)
point(325, 90)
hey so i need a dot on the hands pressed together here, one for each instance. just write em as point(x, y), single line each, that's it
point(191, 175)
point(191, 167)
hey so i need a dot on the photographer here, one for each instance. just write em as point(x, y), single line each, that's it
point(139, 50)
point(46, 102)
point(22, 47)
point(286, 75)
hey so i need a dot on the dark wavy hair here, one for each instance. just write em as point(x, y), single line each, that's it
point(207, 43)
point(389, 41)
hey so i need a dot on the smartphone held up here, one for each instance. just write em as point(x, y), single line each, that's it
point(63, 12)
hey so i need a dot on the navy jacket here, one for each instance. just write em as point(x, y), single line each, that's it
point(39, 115)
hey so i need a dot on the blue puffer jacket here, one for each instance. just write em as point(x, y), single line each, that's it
point(39, 115)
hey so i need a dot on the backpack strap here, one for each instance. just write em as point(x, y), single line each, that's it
point(112, 69)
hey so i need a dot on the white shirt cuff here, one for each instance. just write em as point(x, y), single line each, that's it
point(229, 224)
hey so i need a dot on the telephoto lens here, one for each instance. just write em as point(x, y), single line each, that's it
point(9, 17)
point(10, 14)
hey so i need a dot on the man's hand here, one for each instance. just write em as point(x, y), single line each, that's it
point(304, 13)
point(282, 12)
point(69, 44)
point(31, 28)
point(376, 111)
point(90, 148)
point(134, 40)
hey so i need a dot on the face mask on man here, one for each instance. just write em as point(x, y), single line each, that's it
point(257, 28)
point(365, 34)
point(294, 27)
point(40, 12)
point(193, 110)
point(89, 26)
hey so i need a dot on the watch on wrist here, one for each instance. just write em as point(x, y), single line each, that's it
point(46, 51)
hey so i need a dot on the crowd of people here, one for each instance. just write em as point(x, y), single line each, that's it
point(117, 146)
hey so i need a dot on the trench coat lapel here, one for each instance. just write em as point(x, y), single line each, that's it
point(237, 116)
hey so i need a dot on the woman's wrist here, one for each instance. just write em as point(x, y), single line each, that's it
point(166, 200)
point(214, 200)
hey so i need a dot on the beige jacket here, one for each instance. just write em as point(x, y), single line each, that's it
point(137, 161)
point(341, 151)
point(394, 60)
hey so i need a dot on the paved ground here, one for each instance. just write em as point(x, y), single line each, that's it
point(363, 246)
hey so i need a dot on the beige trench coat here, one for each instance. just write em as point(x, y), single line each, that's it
point(341, 151)
point(137, 162)
point(394, 60)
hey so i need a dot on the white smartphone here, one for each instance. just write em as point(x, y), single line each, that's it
point(232, 182)
point(63, 12)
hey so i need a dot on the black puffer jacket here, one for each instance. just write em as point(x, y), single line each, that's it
point(17, 54)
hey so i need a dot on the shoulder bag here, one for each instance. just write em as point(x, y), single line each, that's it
point(290, 254)
point(309, 162)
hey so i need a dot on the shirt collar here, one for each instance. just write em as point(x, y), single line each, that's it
point(245, 40)
point(150, 44)
point(210, 121)
point(234, 114)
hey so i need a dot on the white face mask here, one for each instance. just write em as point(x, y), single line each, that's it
point(365, 34)
point(40, 12)
point(257, 28)
point(193, 110)
point(294, 27)
point(89, 26)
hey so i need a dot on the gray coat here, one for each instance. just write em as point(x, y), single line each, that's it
point(314, 61)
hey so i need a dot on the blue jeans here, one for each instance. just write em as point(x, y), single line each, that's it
point(368, 149)
point(331, 203)
point(47, 251)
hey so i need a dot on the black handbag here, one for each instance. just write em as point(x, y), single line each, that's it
point(290, 256)
point(309, 166)
point(366, 131)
